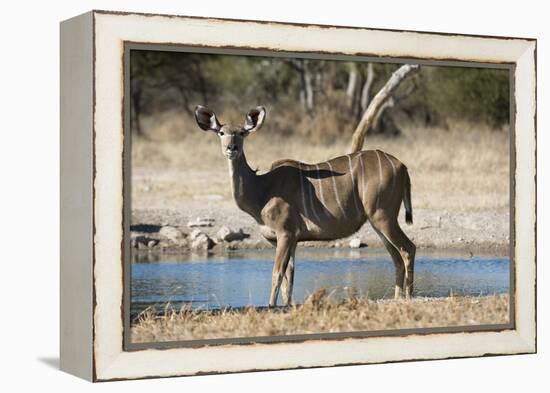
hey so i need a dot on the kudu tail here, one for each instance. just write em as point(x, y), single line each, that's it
point(407, 199)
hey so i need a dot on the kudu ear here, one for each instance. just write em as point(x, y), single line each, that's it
point(254, 119)
point(206, 119)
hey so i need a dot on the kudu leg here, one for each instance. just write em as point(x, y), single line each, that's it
point(408, 258)
point(407, 249)
point(391, 232)
point(285, 244)
point(397, 262)
point(288, 279)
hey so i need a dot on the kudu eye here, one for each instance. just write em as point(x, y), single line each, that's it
point(221, 133)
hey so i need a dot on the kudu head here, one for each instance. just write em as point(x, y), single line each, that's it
point(231, 137)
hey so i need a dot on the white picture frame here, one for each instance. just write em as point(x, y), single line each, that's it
point(92, 193)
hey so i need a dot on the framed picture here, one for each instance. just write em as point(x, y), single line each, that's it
point(246, 195)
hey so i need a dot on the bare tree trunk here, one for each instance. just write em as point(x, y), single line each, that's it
point(306, 83)
point(308, 88)
point(352, 86)
point(376, 104)
point(365, 92)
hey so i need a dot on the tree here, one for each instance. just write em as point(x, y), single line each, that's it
point(378, 103)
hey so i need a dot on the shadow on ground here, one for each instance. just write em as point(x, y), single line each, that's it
point(52, 362)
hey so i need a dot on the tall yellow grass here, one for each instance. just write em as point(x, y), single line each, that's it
point(321, 316)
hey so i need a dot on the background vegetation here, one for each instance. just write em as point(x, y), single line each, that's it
point(319, 99)
point(449, 125)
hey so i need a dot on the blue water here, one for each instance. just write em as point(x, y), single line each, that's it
point(245, 279)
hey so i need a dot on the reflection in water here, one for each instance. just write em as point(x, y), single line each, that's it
point(244, 278)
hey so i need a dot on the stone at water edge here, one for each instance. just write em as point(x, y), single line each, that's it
point(171, 233)
point(195, 233)
point(141, 246)
point(202, 242)
point(228, 235)
point(355, 243)
point(142, 242)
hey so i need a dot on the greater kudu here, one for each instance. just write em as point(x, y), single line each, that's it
point(296, 202)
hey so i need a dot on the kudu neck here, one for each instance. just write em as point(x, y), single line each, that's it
point(244, 184)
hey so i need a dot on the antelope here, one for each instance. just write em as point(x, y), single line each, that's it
point(295, 201)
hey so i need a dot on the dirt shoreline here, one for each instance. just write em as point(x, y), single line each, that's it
point(474, 232)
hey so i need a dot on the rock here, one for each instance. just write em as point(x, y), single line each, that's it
point(356, 243)
point(141, 246)
point(143, 242)
point(163, 244)
point(195, 234)
point(201, 222)
point(202, 242)
point(228, 235)
point(171, 233)
point(139, 239)
point(223, 233)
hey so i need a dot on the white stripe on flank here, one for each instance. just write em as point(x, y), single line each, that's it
point(305, 209)
point(393, 171)
point(311, 192)
point(353, 191)
point(335, 188)
point(379, 178)
point(321, 187)
point(364, 188)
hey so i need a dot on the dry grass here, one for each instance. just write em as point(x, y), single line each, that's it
point(460, 169)
point(322, 316)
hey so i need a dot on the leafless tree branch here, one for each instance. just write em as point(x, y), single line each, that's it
point(370, 114)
